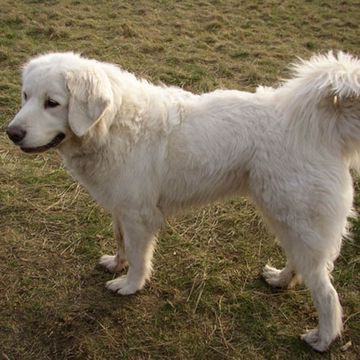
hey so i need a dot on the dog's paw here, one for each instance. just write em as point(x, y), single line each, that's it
point(276, 278)
point(110, 263)
point(122, 286)
point(313, 338)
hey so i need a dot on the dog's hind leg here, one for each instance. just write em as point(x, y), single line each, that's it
point(116, 263)
point(327, 303)
point(309, 261)
point(139, 229)
point(313, 265)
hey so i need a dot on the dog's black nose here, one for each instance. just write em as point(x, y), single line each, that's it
point(15, 133)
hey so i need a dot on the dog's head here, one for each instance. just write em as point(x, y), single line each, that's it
point(63, 95)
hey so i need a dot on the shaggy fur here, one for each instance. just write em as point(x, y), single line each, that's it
point(145, 151)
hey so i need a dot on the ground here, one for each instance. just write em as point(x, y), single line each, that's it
point(206, 299)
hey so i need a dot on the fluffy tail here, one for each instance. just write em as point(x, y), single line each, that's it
point(322, 100)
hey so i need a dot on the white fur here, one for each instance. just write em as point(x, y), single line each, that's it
point(145, 151)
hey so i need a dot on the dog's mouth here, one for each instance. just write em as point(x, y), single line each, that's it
point(54, 142)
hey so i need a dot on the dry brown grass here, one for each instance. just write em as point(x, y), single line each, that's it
point(206, 299)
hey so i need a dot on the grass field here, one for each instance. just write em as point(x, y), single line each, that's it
point(206, 299)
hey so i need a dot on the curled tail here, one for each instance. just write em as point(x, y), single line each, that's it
point(322, 100)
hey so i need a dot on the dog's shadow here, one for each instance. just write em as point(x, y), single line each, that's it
point(93, 314)
point(89, 311)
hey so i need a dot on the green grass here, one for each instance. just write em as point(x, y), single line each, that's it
point(206, 299)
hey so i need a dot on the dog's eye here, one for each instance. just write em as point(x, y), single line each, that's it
point(50, 103)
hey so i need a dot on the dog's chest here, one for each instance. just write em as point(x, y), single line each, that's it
point(97, 175)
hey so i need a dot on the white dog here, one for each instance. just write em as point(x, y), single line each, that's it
point(145, 151)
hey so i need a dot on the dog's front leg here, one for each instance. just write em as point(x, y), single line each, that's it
point(118, 262)
point(139, 228)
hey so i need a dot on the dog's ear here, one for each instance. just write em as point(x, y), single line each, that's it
point(90, 97)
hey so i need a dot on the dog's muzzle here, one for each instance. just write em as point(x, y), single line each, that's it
point(16, 134)
point(54, 142)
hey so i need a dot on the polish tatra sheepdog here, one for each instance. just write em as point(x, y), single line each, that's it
point(145, 151)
